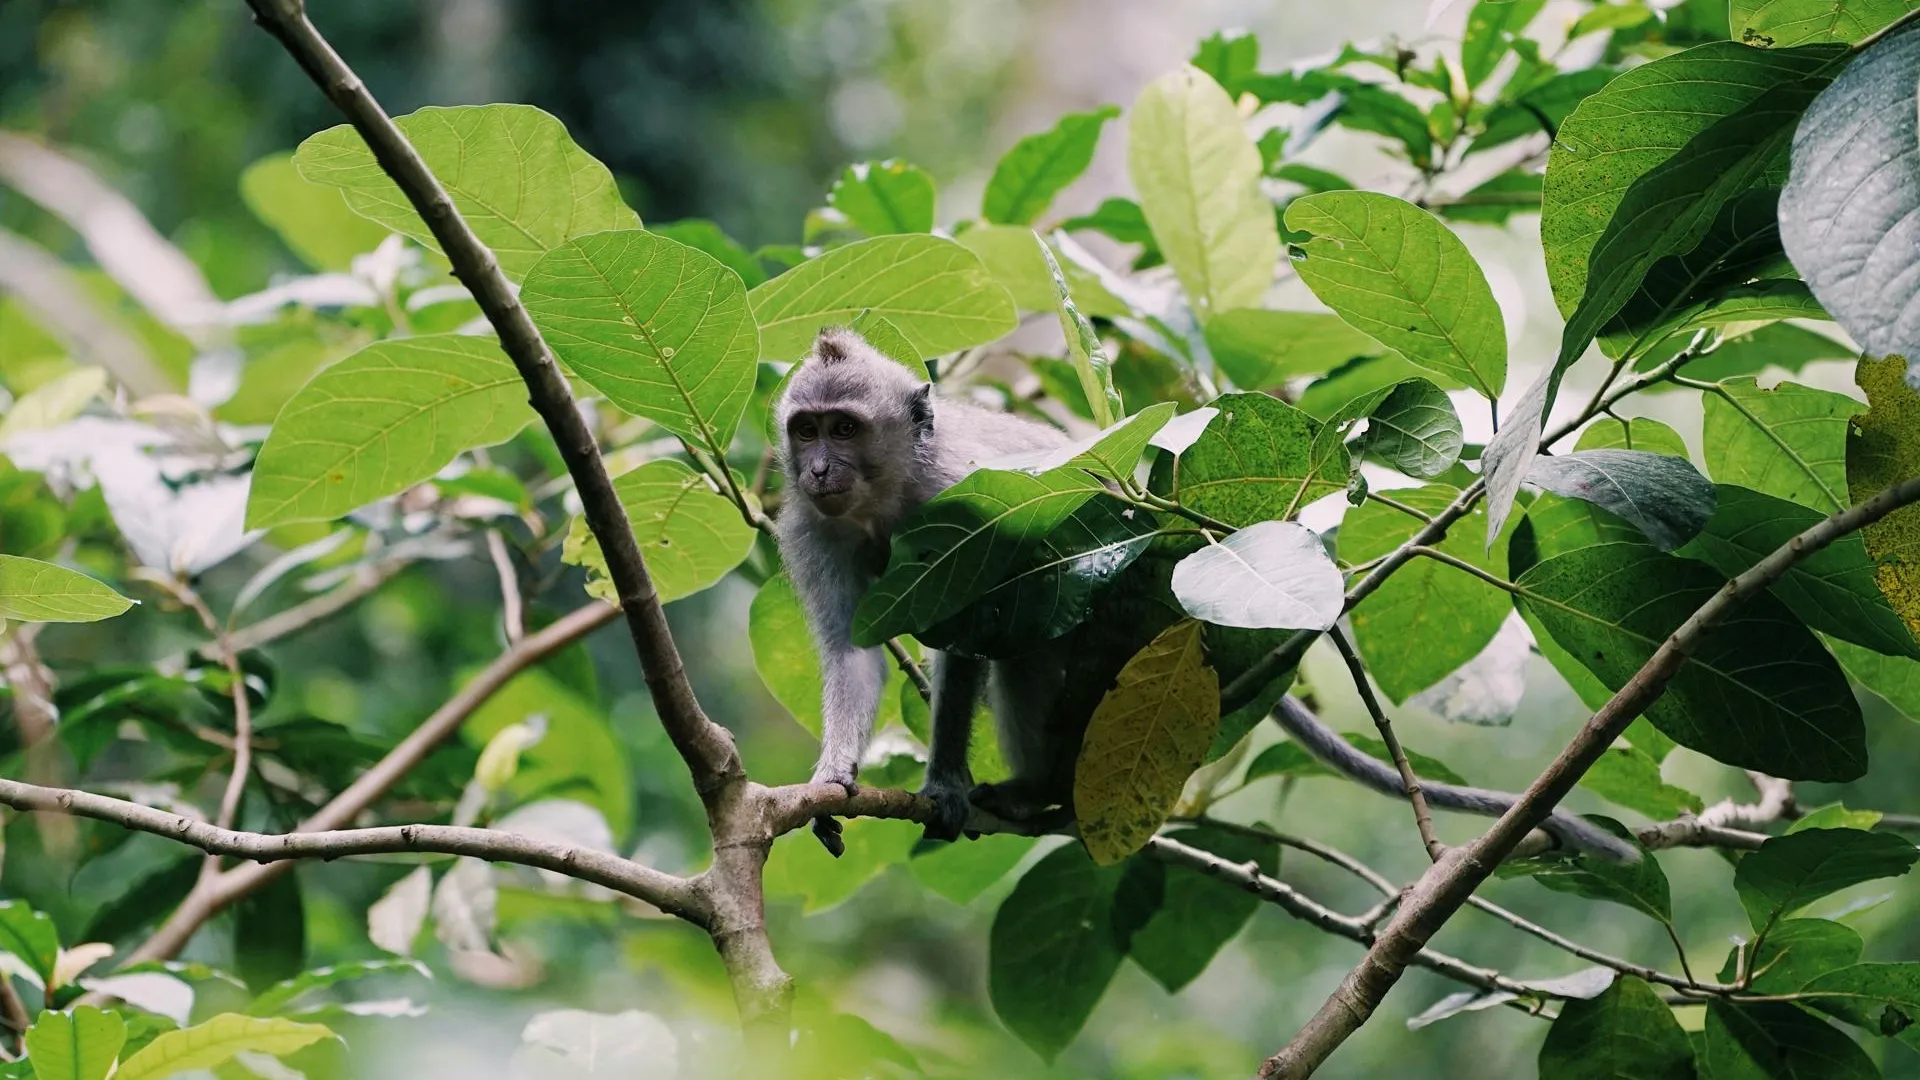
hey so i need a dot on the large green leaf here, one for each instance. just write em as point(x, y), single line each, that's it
point(690, 534)
point(1629, 776)
point(960, 543)
point(1261, 349)
point(1146, 737)
point(1640, 884)
point(1778, 24)
point(1113, 453)
point(962, 870)
point(1415, 430)
point(1054, 947)
point(1452, 614)
point(1035, 170)
point(518, 179)
point(1664, 497)
point(1769, 1040)
point(1258, 460)
point(1885, 450)
point(1014, 257)
point(1758, 691)
point(1795, 951)
point(81, 1045)
point(1270, 575)
point(1198, 915)
point(1789, 442)
point(313, 219)
point(885, 197)
point(1832, 590)
point(35, 591)
point(1396, 273)
point(215, 1042)
point(1625, 1032)
point(933, 290)
point(1198, 175)
point(1791, 871)
point(658, 327)
point(1852, 991)
point(386, 418)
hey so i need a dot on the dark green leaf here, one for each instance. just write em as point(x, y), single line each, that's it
point(1254, 462)
point(1054, 948)
point(270, 933)
point(1415, 430)
point(1026, 180)
point(1664, 497)
point(1261, 349)
point(1626, 1032)
point(1789, 872)
point(276, 998)
point(1197, 914)
point(1777, 1041)
point(1541, 108)
point(1640, 885)
point(885, 197)
point(1795, 951)
point(1870, 995)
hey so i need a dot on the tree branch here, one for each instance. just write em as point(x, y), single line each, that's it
point(1447, 884)
point(1422, 816)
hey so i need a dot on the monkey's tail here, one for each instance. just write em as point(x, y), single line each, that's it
point(1338, 754)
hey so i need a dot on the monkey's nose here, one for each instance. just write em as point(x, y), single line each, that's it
point(820, 469)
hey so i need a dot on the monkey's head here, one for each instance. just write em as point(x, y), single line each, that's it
point(855, 422)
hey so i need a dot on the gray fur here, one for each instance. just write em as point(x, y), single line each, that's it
point(1338, 754)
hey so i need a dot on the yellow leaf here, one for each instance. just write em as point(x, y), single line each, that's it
point(1885, 449)
point(1147, 736)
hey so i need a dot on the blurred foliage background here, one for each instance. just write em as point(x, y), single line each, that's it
point(742, 111)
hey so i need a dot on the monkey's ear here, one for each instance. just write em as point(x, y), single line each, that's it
point(834, 344)
point(920, 409)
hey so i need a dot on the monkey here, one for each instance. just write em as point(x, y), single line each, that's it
point(864, 443)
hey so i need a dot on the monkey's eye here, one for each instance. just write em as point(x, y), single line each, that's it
point(806, 431)
point(844, 429)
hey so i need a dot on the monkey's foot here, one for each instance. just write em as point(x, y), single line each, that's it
point(950, 807)
point(827, 830)
point(1017, 800)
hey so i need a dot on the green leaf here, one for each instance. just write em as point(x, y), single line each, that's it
point(215, 1042)
point(885, 197)
point(518, 179)
point(800, 867)
point(1113, 453)
point(1789, 872)
point(270, 933)
point(386, 418)
point(690, 534)
point(1795, 951)
point(1039, 166)
point(1198, 915)
point(1835, 816)
point(1054, 947)
point(313, 219)
point(53, 402)
point(579, 754)
point(1013, 257)
point(1146, 737)
point(29, 935)
point(35, 591)
point(1089, 356)
point(1396, 273)
point(1256, 461)
point(1781, 345)
point(1491, 27)
point(1230, 56)
point(1789, 442)
point(1893, 679)
point(960, 543)
point(1640, 885)
point(891, 343)
point(1762, 1041)
point(935, 291)
point(1261, 349)
point(1626, 1031)
point(1885, 450)
point(1637, 433)
point(277, 997)
point(1453, 614)
point(1050, 587)
point(1415, 430)
point(1198, 176)
point(1270, 575)
point(1833, 590)
point(783, 650)
point(1851, 991)
point(81, 1045)
point(1664, 497)
point(1289, 759)
point(658, 327)
point(1757, 692)
point(1629, 776)
point(710, 238)
point(1778, 24)
point(962, 870)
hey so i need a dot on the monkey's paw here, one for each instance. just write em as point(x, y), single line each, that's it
point(1013, 800)
point(827, 830)
point(842, 773)
point(950, 808)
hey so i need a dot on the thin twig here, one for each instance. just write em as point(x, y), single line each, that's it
point(512, 617)
point(911, 669)
point(1422, 816)
point(1653, 975)
point(364, 583)
point(1395, 504)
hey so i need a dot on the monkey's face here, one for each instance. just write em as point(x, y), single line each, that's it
point(829, 461)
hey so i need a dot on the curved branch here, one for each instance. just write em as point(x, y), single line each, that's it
point(665, 891)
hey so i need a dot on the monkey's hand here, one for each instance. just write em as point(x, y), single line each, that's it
point(825, 827)
point(950, 805)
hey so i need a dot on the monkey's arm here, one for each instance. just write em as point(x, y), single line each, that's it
point(1336, 753)
point(851, 678)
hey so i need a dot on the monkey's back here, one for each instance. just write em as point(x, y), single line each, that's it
point(967, 434)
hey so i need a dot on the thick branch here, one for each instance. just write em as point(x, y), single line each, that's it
point(1447, 884)
point(664, 891)
point(706, 747)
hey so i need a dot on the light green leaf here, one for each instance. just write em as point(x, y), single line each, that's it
point(1113, 453)
point(800, 867)
point(313, 219)
point(891, 343)
point(1011, 254)
point(1789, 442)
point(1035, 170)
point(1054, 948)
point(1769, 1040)
point(885, 197)
point(708, 237)
point(935, 291)
point(1791, 871)
point(1089, 356)
point(277, 997)
point(1777, 24)
point(1396, 273)
point(215, 1042)
point(1757, 692)
point(1832, 590)
point(789, 664)
point(1270, 575)
point(53, 402)
point(1146, 737)
point(1453, 614)
point(1491, 27)
point(81, 1045)
point(958, 545)
point(1261, 349)
point(1835, 816)
point(1893, 679)
point(1885, 450)
point(35, 591)
point(690, 534)
point(1629, 776)
point(518, 179)
point(1626, 1031)
point(962, 870)
point(660, 328)
point(1260, 459)
point(1198, 175)
point(380, 421)
point(1415, 430)
point(1635, 433)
